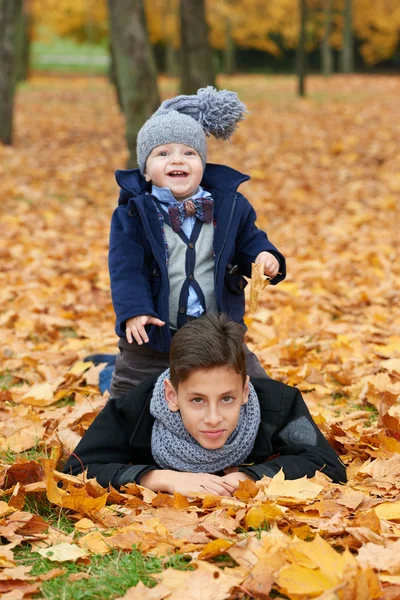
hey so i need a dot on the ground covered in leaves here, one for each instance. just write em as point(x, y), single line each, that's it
point(326, 186)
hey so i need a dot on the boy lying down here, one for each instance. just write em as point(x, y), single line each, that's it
point(202, 425)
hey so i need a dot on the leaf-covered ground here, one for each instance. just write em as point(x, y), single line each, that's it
point(326, 186)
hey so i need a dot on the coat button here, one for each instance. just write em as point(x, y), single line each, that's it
point(191, 245)
point(191, 277)
point(182, 310)
point(240, 284)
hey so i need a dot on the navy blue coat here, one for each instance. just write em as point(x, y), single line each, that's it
point(137, 263)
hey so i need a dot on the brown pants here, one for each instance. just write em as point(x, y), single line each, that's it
point(136, 363)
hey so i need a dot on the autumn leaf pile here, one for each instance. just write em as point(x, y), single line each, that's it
point(326, 186)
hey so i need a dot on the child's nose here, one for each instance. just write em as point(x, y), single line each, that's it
point(213, 417)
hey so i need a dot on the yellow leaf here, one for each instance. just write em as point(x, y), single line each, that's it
point(85, 525)
point(388, 510)
point(300, 489)
point(40, 394)
point(214, 548)
point(393, 579)
point(296, 579)
point(80, 367)
point(95, 543)
point(330, 562)
point(266, 512)
point(62, 552)
point(258, 283)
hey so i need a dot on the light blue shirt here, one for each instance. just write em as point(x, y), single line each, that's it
point(165, 196)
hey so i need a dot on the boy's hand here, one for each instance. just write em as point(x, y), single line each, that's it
point(271, 264)
point(184, 483)
point(135, 328)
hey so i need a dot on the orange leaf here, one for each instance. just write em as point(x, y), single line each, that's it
point(246, 491)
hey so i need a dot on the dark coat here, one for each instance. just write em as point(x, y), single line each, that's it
point(116, 449)
point(138, 270)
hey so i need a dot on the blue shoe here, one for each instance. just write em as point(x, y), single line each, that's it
point(105, 378)
point(97, 359)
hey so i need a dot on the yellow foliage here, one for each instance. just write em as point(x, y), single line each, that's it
point(378, 25)
point(250, 23)
point(83, 20)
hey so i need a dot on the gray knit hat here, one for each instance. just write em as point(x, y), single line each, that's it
point(188, 120)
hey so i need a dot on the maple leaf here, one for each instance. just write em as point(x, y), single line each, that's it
point(247, 490)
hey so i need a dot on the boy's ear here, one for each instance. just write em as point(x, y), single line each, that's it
point(246, 391)
point(147, 176)
point(171, 396)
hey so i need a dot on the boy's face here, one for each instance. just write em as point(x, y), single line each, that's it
point(209, 403)
point(177, 167)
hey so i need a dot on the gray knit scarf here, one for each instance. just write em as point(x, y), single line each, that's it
point(173, 447)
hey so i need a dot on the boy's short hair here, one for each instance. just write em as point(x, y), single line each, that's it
point(205, 343)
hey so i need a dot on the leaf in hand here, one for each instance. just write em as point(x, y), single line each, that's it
point(258, 283)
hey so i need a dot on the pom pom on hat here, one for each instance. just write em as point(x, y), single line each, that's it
point(218, 112)
point(188, 119)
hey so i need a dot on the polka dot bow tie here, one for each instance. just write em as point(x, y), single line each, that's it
point(202, 208)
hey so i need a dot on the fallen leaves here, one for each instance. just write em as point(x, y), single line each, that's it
point(327, 192)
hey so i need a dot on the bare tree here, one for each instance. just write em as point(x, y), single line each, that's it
point(326, 50)
point(197, 63)
point(230, 50)
point(347, 54)
point(301, 49)
point(135, 67)
point(10, 17)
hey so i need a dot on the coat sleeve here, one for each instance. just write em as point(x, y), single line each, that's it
point(298, 446)
point(104, 449)
point(130, 287)
point(251, 241)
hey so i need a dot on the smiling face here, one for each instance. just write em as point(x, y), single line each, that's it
point(177, 167)
point(209, 402)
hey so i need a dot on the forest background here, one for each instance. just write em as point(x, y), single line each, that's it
point(325, 182)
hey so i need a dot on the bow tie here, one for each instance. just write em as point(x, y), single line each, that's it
point(202, 208)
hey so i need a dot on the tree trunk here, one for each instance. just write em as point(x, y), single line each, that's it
point(112, 75)
point(197, 63)
point(230, 51)
point(10, 16)
point(326, 50)
point(134, 66)
point(301, 49)
point(347, 55)
point(23, 47)
point(172, 60)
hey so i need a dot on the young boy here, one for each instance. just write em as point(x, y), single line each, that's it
point(202, 425)
point(182, 236)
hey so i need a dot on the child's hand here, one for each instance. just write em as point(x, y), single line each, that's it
point(184, 483)
point(271, 264)
point(135, 328)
